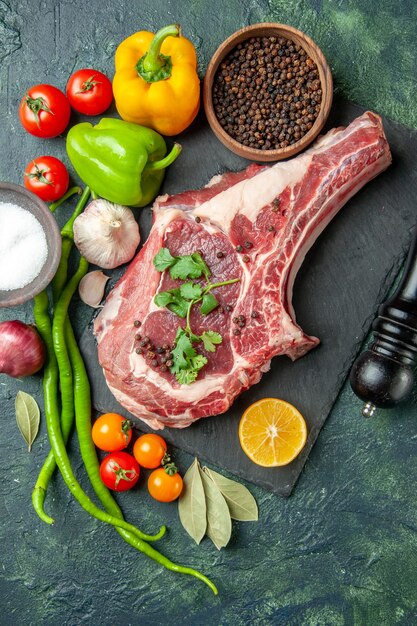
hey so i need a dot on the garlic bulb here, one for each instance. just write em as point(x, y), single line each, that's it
point(106, 234)
point(91, 287)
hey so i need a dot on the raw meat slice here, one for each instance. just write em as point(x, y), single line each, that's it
point(275, 214)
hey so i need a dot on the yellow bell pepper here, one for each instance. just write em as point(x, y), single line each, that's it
point(156, 82)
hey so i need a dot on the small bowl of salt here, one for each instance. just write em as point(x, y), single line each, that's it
point(30, 245)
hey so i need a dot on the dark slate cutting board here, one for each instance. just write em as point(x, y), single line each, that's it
point(336, 294)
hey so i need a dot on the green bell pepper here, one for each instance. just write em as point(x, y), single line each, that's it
point(120, 161)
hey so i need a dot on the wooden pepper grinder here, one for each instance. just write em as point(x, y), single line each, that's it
point(383, 375)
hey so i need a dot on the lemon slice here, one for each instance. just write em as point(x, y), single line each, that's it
point(272, 432)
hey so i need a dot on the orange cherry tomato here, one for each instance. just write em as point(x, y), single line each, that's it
point(163, 486)
point(149, 450)
point(112, 432)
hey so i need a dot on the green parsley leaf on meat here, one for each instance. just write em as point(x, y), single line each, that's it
point(189, 266)
point(191, 291)
point(208, 304)
point(163, 260)
point(198, 260)
point(210, 339)
point(173, 301)
point(187, 363)
point(182, 352)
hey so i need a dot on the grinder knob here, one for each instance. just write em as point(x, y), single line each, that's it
point(382, 376)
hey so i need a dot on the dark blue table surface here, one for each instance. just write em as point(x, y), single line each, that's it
point(343, 549)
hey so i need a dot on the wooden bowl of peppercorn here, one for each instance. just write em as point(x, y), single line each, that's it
point(267, 92)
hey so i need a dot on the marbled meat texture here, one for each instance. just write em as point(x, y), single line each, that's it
point(280, 210)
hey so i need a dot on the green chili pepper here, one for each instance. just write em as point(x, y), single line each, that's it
point(88, 453)
point(50, 397)
point(41, 309)
point(71, 191)
point(67, 409)
point(52, 370)
point(51, 407)
point(64, 337)
point(138, 540)
point(121, 161)
point(52, 412)
point(73, 361)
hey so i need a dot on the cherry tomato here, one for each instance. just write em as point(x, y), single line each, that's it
point(47, 177)
point(44, 111)
point(163, 486)
point(112, 432)
point(149, 450)
point(119, 471)
point(89, 92)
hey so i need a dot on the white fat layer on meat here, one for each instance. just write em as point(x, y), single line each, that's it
point(250, 195)
point(216, 179)
point(187, 393)
point(165, 217)
point(161, 199)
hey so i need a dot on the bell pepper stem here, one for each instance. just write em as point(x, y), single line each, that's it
point(167, 160)
point(154, 66)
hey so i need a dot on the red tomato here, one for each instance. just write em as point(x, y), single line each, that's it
point(163, 486)
point(112, 432)
point(47, 177)
point(44, 111)
point(149, 450)
point(119, 471)
point(89, 92)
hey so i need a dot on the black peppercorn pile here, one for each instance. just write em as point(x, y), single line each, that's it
point(267, 93)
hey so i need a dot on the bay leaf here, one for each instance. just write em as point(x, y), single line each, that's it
point(219, 523)
point(27, 417)
point(242, 505)
point(192, 504)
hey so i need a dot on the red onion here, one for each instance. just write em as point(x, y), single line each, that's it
point(22, 352)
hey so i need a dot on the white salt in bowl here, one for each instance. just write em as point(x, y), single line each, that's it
point(18, 195)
